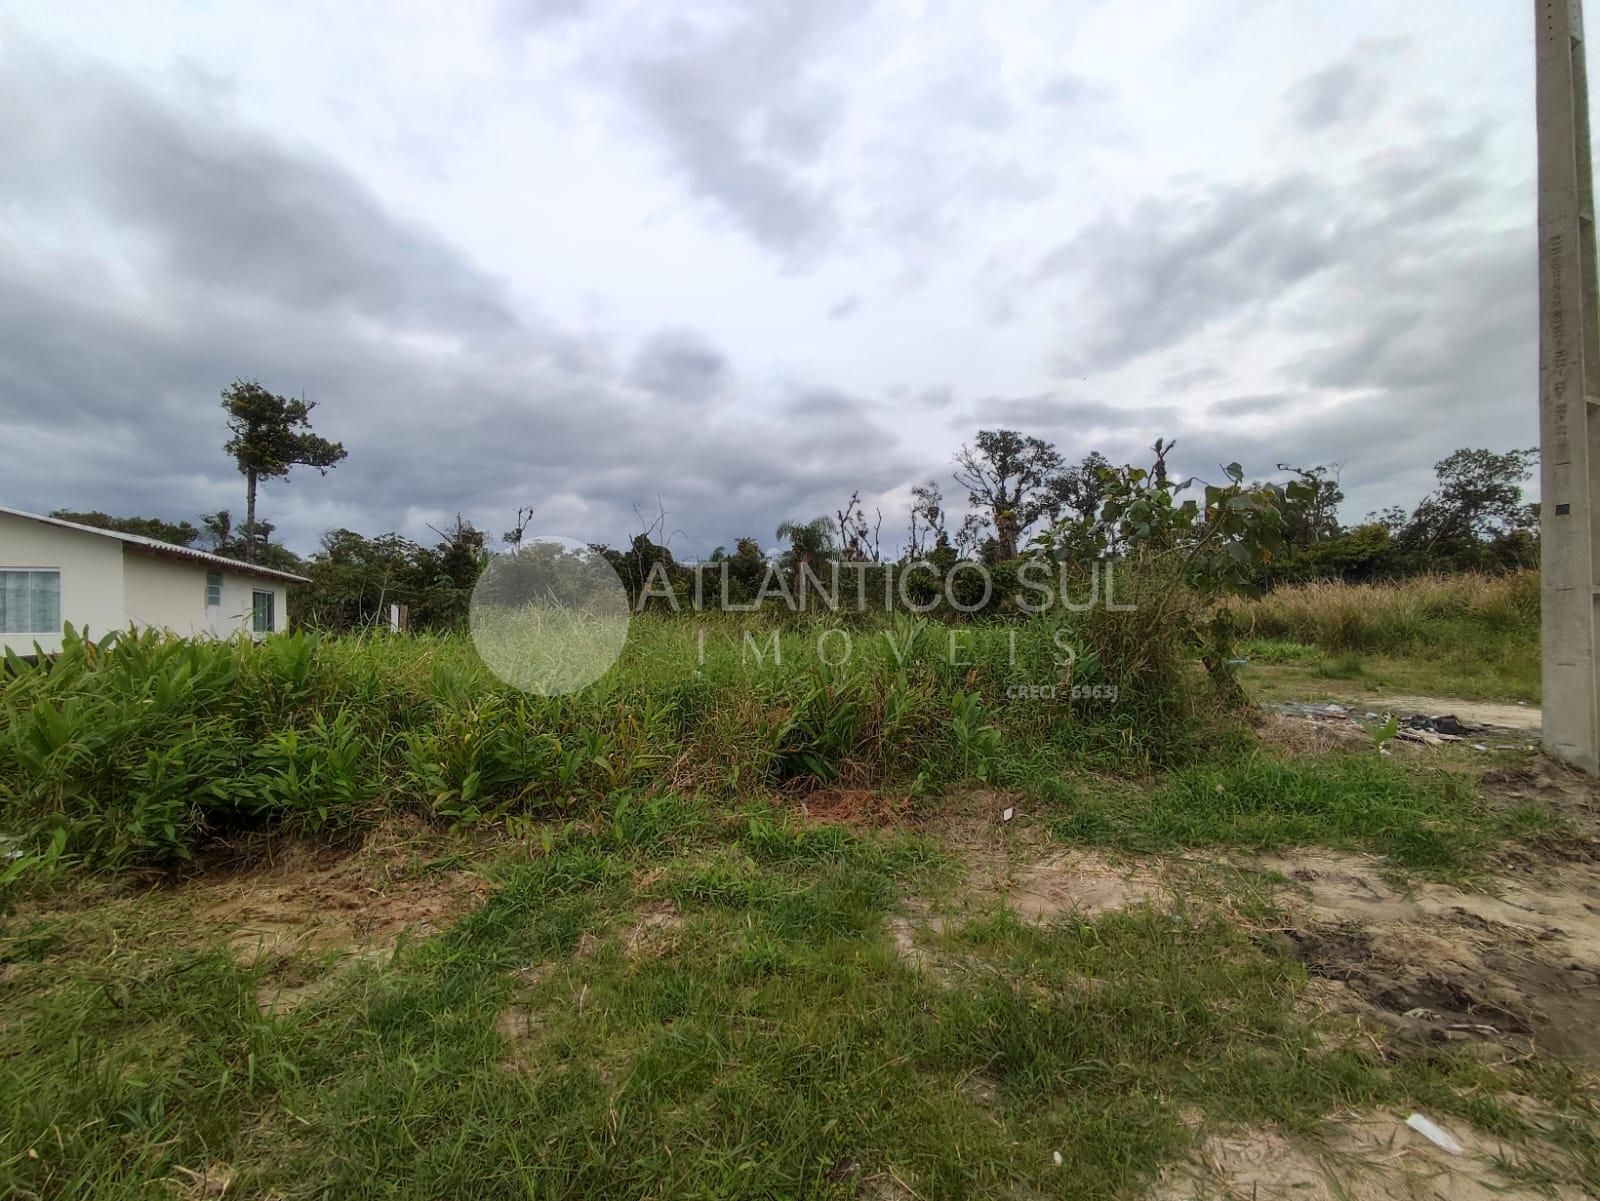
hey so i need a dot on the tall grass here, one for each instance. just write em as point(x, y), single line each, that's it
point(140, 749)
point(1409, 615)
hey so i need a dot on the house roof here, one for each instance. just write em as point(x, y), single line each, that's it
point(152, 546)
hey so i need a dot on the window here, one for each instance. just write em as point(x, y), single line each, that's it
point(261, 612)
point(30, 602)
point(213, 589)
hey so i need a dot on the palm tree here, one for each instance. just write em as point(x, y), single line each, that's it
point(808, 542)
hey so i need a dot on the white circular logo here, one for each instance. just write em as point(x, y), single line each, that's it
point(550, 617)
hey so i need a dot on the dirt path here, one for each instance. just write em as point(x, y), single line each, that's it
point(1499, 715)
point(1475, 713)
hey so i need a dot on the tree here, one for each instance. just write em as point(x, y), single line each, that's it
point(1077, 491)
point(1214, 546)
point(354, 579)
point(927, 531)
point(809, 541)
point(972, 535)
point(1008, 474)
point(270, 435)
point(1311, 514)
point(219, 536)
point(514, 536)
point(449, 572)
point(861, 542)
point(179, 533)
point(1479, 499)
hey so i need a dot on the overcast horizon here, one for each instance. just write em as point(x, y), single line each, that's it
point(751, 258)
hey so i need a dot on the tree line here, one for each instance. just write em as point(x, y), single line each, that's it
point(1022, 497)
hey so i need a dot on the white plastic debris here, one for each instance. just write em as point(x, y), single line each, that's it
point(1007, 814)
point(1435, 1134)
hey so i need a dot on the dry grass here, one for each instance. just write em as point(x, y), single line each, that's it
point(1401, 615)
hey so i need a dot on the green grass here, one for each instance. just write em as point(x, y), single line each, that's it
point(1451, 673)
point(560, 1040)
point(779, 1046)
point(1422, 818)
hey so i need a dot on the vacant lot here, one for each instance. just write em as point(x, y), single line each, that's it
point(345, 918)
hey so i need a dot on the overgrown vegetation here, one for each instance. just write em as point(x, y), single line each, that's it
point(1422, 613)
point(673, 984)
point(1467, 635)
point(138, 749)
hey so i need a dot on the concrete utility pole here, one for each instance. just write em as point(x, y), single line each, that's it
point(1569, 391)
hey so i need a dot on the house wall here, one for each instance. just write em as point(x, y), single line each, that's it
point(91, 577)
point(237, 606)
point(168, 594)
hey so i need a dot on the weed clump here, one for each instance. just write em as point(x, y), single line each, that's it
point(141, 748)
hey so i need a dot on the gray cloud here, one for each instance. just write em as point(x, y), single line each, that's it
point(1345, 92)
point(1178, 264)
point(1250, 406)
point(1174, 266)
point(680, 365)
point(1436, 352)
point(1349, 92)
point(286, 267)
point(1189, 377)
point(1072, 91)
point(208, 206)
point(740, 115)
point(1055, 417)
point(542, 13)
point(153, 245)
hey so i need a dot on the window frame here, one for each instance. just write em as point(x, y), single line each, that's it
point(257, 609)
point(213, 589)
point(29, 604)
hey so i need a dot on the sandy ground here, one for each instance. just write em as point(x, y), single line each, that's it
point(1363, 1157)
point(1509, 969)
point(309, 913)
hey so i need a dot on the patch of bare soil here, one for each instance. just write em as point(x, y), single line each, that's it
point(1311, 736)
point(1361, 1157)
point(519, 1022)
point(1566, 790)
point(1064, 883)
point(214, 1180)
point(1519, 968)
point(1474, 713)
point(854, 807)
point(1076, 883)
point(656, 931)
point(908, 930)
point(319, 900)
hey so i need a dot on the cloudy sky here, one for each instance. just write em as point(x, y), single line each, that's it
point(749, 257)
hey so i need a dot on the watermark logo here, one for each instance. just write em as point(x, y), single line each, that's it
point(550, 617)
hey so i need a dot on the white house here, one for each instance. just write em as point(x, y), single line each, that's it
point(54, 571)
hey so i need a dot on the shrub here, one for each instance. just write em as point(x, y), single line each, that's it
point(142, 748)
